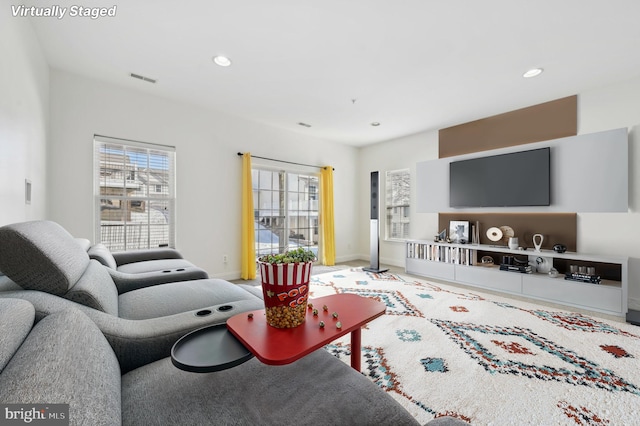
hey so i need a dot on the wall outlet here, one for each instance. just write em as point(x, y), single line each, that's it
point(225, 258)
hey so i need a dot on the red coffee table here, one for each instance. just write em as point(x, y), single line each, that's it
point(279, 346)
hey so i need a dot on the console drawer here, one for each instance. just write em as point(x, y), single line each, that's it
point(428, 268)
point(596, 296)
point(489, 277)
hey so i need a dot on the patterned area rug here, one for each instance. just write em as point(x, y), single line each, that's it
point(315, 270)
point(442, 350)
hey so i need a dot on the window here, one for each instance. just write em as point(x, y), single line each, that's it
point(398, 190)
point(285, 209)
point(134, 194)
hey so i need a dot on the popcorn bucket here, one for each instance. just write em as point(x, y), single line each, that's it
point(285, 287)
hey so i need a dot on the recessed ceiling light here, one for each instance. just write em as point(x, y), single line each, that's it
point(223, 61)
point(375, 124)
point(533, 72)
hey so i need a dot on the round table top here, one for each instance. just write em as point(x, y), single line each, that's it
point(209, 349)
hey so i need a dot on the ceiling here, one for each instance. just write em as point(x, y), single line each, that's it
point(339, 65)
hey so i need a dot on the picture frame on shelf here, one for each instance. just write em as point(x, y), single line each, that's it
point(460, 231)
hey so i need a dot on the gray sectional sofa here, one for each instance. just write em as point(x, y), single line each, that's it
point(131, 270)
point(47, 266)
point(65, 359)
point(70, 334)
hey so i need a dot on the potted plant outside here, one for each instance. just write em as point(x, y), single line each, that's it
point(285, 285)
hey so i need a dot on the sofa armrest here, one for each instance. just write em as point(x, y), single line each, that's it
point(139, 342)
point(128, 282)
point(131, 256)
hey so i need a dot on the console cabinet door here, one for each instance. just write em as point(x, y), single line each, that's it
point(597, 296)
point(489, 277)
point(428, 268)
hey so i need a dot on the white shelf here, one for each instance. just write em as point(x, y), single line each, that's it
point(610, 296)
point(530, 252)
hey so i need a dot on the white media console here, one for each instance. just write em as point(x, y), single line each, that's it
point(460, 263)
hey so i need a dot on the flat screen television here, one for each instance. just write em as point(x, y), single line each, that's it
point(507, 180)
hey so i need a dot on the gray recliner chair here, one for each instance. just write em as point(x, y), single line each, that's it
point(45, 265)
point(135, 269)
point(65, 359)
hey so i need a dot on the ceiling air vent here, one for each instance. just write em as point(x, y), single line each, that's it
point(143, 78)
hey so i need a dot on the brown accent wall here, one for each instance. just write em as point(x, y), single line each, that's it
point(555, 227)
point(550, 120)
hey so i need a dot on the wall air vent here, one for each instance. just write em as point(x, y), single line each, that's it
point(143, 78)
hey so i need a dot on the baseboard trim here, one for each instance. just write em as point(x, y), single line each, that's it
point(228, 276)
point(633, 317)
point(633, 303)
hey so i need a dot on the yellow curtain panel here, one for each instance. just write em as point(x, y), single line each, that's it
point(326, 216)
point(248, 256)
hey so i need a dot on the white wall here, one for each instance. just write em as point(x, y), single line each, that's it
point(24, 110)
point(613, 234)
point(578, 182)
point(616, 234)
point(207, 142)
point(208, 167)
point(396, 154)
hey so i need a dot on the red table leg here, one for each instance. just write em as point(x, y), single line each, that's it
point(356, 339)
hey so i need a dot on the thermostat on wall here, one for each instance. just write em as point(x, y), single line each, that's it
point(27, 191)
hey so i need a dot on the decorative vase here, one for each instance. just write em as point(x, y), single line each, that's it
point(476, 233)
point(538, 244)
point(285, 287)
point(543, 265)
point(513, 243)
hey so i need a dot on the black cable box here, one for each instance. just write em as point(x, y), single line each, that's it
point(585, 278)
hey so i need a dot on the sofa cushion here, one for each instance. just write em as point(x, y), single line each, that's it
point(142, 255)
point(155, 266)
point(103, 255)
point(16, 319)
point(174, 298)
point(95, 289)
point(315, 390)
point(256, 290)
point(41, 255)
point(66, 360)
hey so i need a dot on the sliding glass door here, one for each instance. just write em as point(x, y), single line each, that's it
point(285, 210)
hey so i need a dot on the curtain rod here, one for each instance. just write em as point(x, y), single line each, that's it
point(240, 154)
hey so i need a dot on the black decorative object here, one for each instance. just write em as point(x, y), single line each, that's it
point(559, 248)
point(585, 278)
point(517, 268)
point(374, 236)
